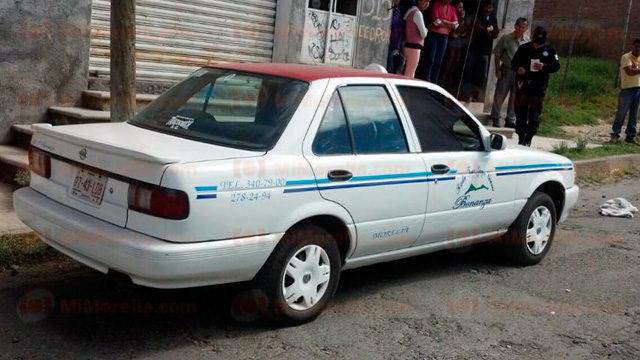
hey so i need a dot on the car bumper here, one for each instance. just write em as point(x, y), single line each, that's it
point(570, 199)
point(148, 261)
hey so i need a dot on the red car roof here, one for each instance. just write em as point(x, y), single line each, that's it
point(304, 72)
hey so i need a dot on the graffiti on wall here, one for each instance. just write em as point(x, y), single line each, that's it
point(341, 33)
point(339, 30)
point(314, 39)
point(378, 10)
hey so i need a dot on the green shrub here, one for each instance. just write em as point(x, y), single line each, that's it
point(589, 95)
point(22, 178)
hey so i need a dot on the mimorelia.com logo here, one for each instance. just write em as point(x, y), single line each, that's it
point(35, 305)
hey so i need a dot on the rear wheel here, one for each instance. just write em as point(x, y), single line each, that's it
point(300, 276)
point(531, 234)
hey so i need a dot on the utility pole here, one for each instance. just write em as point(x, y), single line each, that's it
point(123, 60)
point(624, 37)
point(571, 43)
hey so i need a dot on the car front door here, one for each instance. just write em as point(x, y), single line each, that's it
point(362, 160)
point(466, 198)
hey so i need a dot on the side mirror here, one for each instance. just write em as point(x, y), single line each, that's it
point(498, 142)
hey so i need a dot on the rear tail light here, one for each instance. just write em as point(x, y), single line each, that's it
point(39, 162)
point(158, 201)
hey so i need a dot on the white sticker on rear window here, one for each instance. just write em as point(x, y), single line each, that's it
point(180, 121)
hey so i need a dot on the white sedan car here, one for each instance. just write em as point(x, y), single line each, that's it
point(285, 175)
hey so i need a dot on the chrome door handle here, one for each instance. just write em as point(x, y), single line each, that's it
point(440, 169)
point(339, 175)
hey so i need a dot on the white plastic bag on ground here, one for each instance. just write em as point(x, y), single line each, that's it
point(619, 207)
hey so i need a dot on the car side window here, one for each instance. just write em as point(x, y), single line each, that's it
point(333, 135)
point(373, 120)
point(441, 125)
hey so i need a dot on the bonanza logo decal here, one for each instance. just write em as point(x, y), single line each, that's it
point(480, 182)
point(473, 188)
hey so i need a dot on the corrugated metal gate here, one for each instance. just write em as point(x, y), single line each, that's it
point(173, 38)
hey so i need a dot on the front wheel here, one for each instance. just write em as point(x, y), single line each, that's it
point(531, 234)
point(300, 276)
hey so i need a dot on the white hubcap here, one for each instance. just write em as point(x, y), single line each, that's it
point(306, 277)
point(539, 230)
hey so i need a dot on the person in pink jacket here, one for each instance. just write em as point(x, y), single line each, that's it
point(415, 31)
point(441, 21)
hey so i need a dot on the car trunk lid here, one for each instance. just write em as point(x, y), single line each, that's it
point(110, 155)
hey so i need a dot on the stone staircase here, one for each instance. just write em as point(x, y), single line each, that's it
point(95, 108)
point(13, 156)
point(485, 119)
point(477, 109)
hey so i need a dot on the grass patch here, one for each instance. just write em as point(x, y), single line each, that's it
point(600, 178)
point(589, 95)
point(583, 153)
point(25, 249)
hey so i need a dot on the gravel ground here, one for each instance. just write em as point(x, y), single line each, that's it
point(581, 302)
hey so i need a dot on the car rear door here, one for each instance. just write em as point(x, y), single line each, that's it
point(361, 158)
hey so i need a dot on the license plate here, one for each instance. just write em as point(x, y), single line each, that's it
point(88, 186)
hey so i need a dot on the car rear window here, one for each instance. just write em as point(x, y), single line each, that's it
point(226, 107)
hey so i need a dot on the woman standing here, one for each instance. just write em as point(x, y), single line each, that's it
point(458, 42)
point(442, 20)
point(416, 31)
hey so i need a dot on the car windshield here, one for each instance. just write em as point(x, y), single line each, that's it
point(226, 107)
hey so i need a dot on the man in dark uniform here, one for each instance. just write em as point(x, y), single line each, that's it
point(533, 62)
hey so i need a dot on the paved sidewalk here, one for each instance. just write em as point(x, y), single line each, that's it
point(9, 223)
point(539, 142)
point(547, 144)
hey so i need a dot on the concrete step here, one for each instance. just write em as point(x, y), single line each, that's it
point(474, 107)
point(12, 159)
point(485, 119)
point(21, 136)
point(142, 86)
point(75, 115)
point(101, 100)
point(502, 131)
point(9, 223)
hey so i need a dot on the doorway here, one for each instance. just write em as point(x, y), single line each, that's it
point(330, 32)
point(473, 9)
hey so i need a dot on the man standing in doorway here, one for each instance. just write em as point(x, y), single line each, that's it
point(629, 99)
point(485, 30)
point(506, 87)
point(534, 62)
point(395, 39)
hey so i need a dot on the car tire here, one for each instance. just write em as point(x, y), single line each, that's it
point(301, 275)
point(531, 234)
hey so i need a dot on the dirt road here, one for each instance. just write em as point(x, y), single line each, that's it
point(581, 302)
